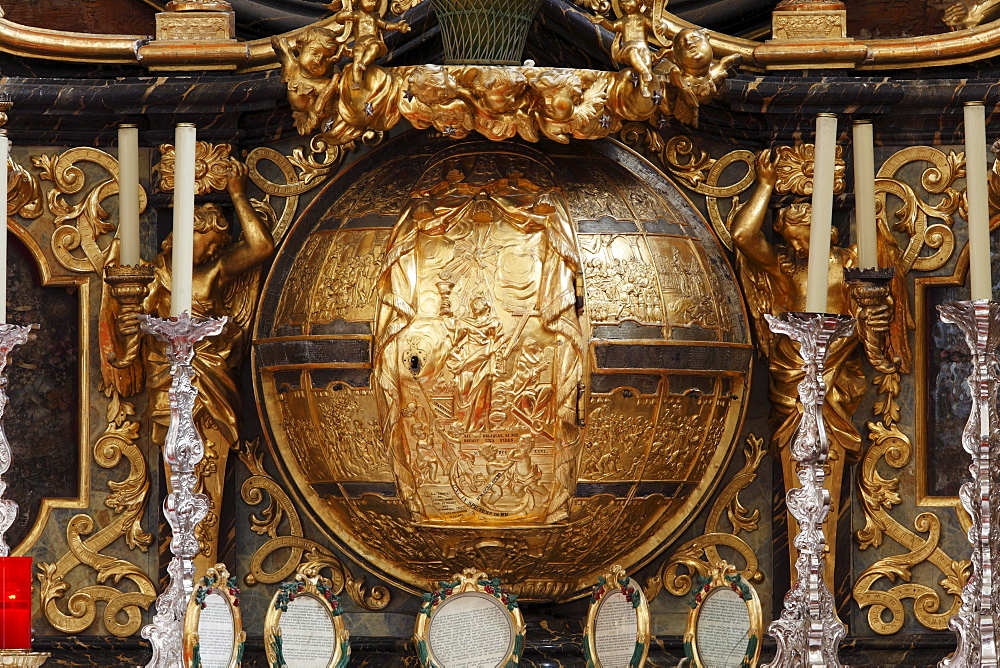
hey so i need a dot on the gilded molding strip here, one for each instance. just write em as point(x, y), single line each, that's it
point(268, 521)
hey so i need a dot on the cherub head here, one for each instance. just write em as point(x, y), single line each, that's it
point(631, 6)
point(561, 91)
point(792, 223)
point(433, 85)
point(318, 47)
point(500, 88)
point(211, 234)
point(692, 52)
point(480, 306)
point(368, 6)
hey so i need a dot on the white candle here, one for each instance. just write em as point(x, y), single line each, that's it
point(980, 275)
point(183, 240)
point(4, 154)
point(128, 194)
point(817, 285)
point(864, 195)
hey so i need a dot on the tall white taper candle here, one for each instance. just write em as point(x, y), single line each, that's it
point(4, 154)
point(817, 285)
point(183, 239)
point(128, 194)
point(980, 275)
point(864, 195)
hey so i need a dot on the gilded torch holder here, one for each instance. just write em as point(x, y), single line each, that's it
point(808, 631)
point(184, 510)
point(975, 622)
point(10, 336)
point(129, 287)
point(869, 289)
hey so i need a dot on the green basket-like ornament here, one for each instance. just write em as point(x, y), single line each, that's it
point(484, 32)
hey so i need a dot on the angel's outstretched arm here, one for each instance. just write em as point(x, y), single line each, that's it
point(257, 243)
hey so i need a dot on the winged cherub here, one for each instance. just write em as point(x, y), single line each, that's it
point(631, 47)
point(694, 75)
point(366, 27)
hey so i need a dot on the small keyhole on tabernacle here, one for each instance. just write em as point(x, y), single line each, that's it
point(627, 394)
point(414, 365)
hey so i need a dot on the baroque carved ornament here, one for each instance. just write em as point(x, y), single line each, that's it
point(345, 104)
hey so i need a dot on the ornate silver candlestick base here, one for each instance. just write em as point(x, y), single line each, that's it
point(182, 451)
point(808, 631)
point(10, 336)
point(975, 621)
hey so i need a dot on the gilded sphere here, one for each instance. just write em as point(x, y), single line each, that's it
point(530, 360)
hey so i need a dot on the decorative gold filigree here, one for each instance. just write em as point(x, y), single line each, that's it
point(698, 555)
point(498, 102)
point(81, 241)
point(269, 521)
point(305, 169)
point(211, 164)
point(127, 501)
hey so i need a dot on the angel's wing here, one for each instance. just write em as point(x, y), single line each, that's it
point(759, 294)
point(890, 255)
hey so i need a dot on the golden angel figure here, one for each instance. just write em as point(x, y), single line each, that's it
point(774, 281)
point(631, 45)
point(694, 75)
point(225, 283)
point(308, 67)
point(367, 26)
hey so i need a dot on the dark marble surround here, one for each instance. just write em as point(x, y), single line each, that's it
point(542, 650)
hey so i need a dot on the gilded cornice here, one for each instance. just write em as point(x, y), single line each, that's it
point(963, 46)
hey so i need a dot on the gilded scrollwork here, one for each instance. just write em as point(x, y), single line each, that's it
point(81, 241)
point(698, 555)
point(122, 614)
point(281, 512)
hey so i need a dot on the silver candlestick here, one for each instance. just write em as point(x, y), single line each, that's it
point(808, 632)
point(10, 336)
point(976, 619)
point(182, 451)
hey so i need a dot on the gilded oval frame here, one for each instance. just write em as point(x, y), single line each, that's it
point(307, 584)
point(723, 576)
point(468, 583)
point(616, 581)
point(217, 580)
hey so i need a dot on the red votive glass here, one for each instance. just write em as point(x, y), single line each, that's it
point(15, 603)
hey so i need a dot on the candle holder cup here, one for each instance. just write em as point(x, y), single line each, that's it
point(869, 290)
point(129, 287)
point(183, 450)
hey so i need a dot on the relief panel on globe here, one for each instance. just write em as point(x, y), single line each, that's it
point(486, 355)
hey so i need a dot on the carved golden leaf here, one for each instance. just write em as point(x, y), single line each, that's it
point(795, 170)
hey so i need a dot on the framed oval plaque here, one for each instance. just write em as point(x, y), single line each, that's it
point(213, 627)
point(304, 626)
point(725, 625)
point(471, 622)
point(616, 634)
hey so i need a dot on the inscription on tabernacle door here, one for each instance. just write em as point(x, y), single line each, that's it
point(470, 630)
point(615, 630)
point(216, 634)
point(308, 639)
point(723, 629)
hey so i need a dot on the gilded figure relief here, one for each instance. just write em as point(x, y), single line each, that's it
point(226, 278)
point(478, 344)
point(774, 281)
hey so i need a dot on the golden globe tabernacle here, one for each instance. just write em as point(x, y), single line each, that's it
point(526, 359)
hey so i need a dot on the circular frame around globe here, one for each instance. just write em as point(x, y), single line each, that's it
point(526, 359)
